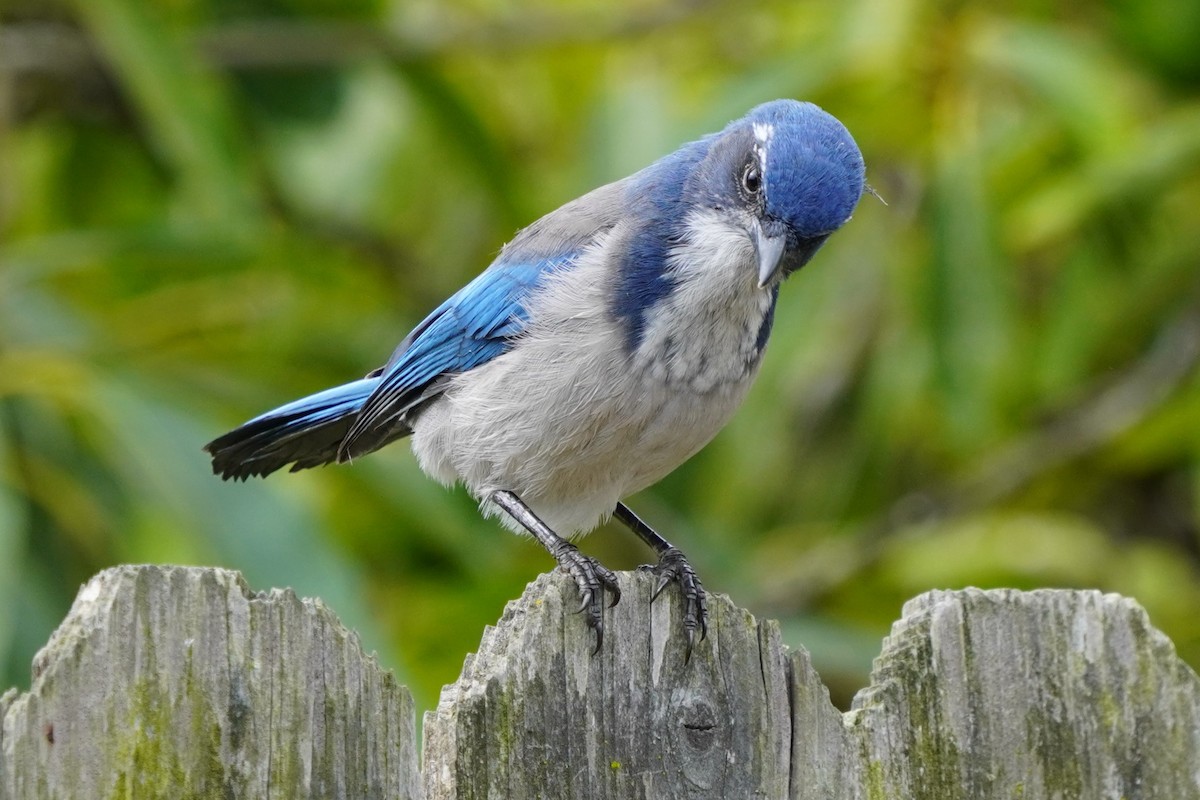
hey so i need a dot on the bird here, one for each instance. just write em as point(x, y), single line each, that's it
point(607, 343)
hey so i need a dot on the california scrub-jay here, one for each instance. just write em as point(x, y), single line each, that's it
point(606, 344)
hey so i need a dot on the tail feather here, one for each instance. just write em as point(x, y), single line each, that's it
point(305, 433)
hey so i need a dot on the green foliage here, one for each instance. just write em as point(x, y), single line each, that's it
point(209, 207)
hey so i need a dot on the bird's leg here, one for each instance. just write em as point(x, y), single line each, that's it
point(592, 577)
point(672, 566)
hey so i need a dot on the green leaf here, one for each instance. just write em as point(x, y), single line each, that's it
point(183, 108)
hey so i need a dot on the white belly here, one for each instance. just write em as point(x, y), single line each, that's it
point(572, 422)
point(570, 447)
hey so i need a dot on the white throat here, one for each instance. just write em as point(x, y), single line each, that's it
point(705, 333)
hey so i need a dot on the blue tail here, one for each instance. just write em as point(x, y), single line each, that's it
point(304, 433)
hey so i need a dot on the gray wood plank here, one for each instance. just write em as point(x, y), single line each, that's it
point(180, 682)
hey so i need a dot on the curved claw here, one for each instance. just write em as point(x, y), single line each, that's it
point(585, 600)
point(599, 629)
point(594, 580)
point(664, 581)
point(673, 567)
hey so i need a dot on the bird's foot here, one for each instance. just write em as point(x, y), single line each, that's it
point(673, 567)
point(593, 580)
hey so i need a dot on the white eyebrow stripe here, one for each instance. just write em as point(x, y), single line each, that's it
point(763, 131)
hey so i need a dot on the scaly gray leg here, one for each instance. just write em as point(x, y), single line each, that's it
point(672, 566)
point(592, 577)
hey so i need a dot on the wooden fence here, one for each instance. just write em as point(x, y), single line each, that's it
point(170, 682)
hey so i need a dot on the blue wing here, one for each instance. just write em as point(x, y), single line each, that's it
point(474, 326)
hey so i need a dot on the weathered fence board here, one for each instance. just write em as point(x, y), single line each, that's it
point(182, 683)
point(535, 715)
point(174, 682)
point(998, 694)
point(1043, 694)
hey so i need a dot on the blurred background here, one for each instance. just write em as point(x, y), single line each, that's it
point(211, 207)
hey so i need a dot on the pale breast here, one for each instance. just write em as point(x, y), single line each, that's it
point(572, 421)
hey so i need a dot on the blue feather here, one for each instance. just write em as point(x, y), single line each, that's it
point(324, 405)
point(474, 326)
point(657, 195)
point(304, 433)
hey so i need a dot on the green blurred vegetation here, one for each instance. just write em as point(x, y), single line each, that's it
point(210, 207)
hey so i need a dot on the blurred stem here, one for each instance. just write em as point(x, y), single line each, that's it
point(13, 450)
point(181, 107)
point(48, 47)
point(467, 132)
point(1098, 421)
point(1107, 416)
point(8, 190)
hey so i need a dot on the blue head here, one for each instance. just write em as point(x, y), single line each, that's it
point(788, 173)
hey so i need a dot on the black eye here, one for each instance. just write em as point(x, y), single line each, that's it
point(752, 179)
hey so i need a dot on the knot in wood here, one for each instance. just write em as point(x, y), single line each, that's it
point(699, 724)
